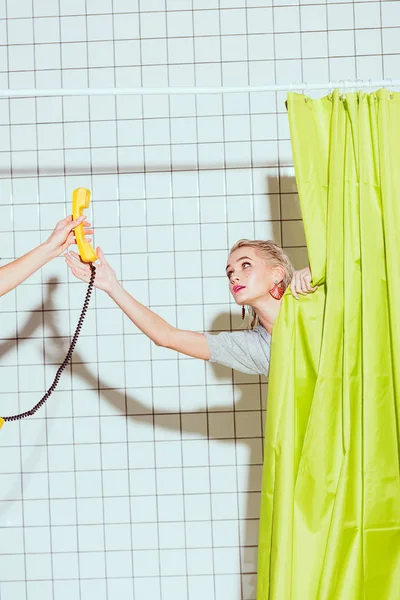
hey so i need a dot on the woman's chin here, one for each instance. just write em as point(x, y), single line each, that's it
point(241, 300)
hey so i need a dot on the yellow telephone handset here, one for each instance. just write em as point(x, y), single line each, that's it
point(81, 200)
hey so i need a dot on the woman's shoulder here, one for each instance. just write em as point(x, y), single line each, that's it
point(246, 350)
point(262, 332)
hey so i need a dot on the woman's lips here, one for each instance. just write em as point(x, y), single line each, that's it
point(237, 288)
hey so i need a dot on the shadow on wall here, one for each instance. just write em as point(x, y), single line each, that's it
point(198, 427)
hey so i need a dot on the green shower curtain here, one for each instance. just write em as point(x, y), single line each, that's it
point(330, 508)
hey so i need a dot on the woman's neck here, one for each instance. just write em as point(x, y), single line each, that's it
point(267, 311)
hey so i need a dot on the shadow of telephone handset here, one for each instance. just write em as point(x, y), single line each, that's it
point(80, 201)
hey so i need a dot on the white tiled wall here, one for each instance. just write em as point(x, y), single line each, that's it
point(140, 479)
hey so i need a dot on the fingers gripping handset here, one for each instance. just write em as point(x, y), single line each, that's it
point(81, 200)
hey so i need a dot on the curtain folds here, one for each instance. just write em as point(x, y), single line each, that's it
point(330, 510)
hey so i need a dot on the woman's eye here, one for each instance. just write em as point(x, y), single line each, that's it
point(245, 263)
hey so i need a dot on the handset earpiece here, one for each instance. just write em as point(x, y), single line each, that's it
point(81, 200)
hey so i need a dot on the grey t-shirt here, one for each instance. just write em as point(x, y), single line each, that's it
point(247, 351)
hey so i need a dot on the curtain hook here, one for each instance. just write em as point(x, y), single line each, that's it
point(359, 88)
point(391, 93)
point(304, 85)
point(370, 84)
point(341, 94)
point(330, 90)
point(388, 82)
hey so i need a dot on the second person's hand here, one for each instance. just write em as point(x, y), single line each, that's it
point(105, 279)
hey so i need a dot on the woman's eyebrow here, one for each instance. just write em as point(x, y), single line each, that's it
point(241, 258)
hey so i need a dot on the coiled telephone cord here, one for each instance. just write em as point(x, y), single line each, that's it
point(53, 386)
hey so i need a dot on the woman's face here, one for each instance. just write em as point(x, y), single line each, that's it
point(250, 277)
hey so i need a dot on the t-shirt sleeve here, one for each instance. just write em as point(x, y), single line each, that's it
point(246, 351)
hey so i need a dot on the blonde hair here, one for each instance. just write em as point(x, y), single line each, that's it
point(275, 257)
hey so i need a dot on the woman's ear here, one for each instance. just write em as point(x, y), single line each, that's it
point(279, 273)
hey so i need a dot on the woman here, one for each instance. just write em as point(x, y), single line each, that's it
point(15, 272)
point(258, 273)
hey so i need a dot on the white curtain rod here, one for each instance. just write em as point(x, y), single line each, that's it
point(342, 84)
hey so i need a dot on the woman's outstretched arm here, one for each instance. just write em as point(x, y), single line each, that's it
point(157, 329)
point(15, 272)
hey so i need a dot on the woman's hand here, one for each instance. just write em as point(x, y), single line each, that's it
point(301, 282)
point(63, 236)
point(105, 279)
